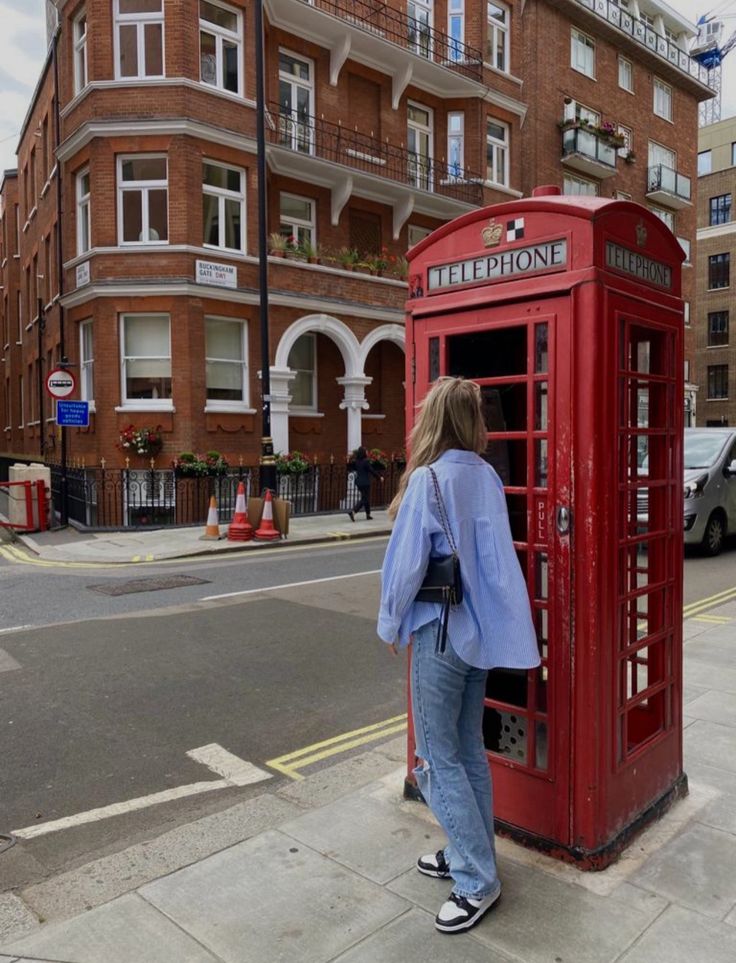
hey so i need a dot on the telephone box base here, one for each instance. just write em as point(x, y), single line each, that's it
point(588, 860)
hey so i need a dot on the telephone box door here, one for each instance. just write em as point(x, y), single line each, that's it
point(512, 353)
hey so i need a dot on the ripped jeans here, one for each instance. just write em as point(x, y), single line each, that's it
point(447, 703)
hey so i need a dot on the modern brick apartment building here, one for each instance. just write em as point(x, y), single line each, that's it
point(383, 121)
point(716, 349)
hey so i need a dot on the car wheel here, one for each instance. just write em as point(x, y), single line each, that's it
point(714, 535)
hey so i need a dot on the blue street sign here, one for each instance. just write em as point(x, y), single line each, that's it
point(72, 413)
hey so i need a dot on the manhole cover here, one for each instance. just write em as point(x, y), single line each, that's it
point(153, 584)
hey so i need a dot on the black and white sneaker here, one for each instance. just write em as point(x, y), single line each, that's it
point(434, 864)
point(460, 913)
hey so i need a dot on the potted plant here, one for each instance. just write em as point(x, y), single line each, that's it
point(310, 251)
point(348, 257)
point(277, 244)
point(141, 441)
point(189, 465)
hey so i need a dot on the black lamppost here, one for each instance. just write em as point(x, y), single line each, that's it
point(268, 463)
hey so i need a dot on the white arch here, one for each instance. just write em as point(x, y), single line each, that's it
point(387, 332)
point(337, 331)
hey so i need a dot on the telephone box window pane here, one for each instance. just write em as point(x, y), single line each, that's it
point(434, 359)
point(540, 406)
point(509, 460)
point(542, 674)
point(541, 477)
point(504, 407)
point(646, 351)
point(508, 686)
point(517, 516)
point(488, 354)
point(541, 745)
point(540, 348)
point(541, 577)
point(505, 733)
point(542, 624)
point(644, 722)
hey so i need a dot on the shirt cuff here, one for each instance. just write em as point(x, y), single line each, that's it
point(388, 628)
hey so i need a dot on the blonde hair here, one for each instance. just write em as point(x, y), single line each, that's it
point(450, 416)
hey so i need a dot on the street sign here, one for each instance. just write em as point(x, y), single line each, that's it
point(72, 413)
point(60, 383)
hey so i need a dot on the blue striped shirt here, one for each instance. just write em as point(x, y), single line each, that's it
point(492, 627)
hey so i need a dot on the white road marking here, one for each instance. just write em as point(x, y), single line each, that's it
point(236, 771)
point(7, 662)
point(288, 585)
point(16, 628)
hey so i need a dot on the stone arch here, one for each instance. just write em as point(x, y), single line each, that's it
point(387, 332)
point(334, 329)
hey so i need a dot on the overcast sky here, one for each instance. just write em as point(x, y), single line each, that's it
point(23, 49)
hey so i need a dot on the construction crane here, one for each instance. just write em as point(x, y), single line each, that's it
point(710, 51)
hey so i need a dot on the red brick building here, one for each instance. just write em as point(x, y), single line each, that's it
point(383, 121)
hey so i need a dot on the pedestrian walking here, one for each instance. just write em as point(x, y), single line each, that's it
point(451, 501)
point(364, 471)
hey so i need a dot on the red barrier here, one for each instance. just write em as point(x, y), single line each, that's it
point(42, 499)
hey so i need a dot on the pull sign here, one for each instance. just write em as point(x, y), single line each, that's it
point(541, 519)
point(563, 520)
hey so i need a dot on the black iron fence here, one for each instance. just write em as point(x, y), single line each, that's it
point(140, 498)
point(413, 34)
point(318, 137)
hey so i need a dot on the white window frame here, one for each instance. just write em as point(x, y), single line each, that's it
point(687, 248)
point(308, 85)
point(625, 66)
point(622, 196)
point(709, 165)
point(656, 150)
point(417, 233)
point(87, 365)
point(143, 404)
point(80, 51)
point(456, 11)
point(505, 146)
point(498, 31)
point(222, 34)
point(580, 40)
point(213, 404)
point(222, 194)
point(313, 408)
point(665, 216)
point(573, 178)
point(84, 218)
point(297, 222)
point(144, 187)
point(418, 46)
point(424, 180)
point(21, 386)
point(139, 20)
point(659, 86)
point(628, 135)
point(457, 174)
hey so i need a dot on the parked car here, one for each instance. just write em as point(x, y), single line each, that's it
point(710, 487)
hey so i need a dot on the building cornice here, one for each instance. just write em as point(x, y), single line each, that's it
point(148, 84)
point(185, 288)
point(718, 230)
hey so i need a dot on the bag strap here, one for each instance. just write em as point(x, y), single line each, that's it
point(443, 513)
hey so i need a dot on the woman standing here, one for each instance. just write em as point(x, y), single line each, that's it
point(492, 627)
point(364, 471)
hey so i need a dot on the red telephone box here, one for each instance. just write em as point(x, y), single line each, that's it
point(567, 312)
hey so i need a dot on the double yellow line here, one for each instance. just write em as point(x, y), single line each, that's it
point(290, 764)
point(695, 608)
point(13, 554)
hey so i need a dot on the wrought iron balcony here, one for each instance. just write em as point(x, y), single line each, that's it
point(669, 187)
point(643, 34)
point(313, 137)
point(588, 151)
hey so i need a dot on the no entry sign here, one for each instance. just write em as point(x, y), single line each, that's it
point(60, 383)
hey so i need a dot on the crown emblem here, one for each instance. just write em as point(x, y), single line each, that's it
point(491, 234)
point(641, 234)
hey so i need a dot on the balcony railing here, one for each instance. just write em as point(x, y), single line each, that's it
point(317, 137)
point(590, 146)
point(643, 34)
point(407, 32)
point(664, 179)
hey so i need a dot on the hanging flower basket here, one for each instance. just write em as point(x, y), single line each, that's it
point(141, 441)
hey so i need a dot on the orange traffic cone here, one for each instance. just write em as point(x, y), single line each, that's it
point(240, 529)
point(267, 532)
point(212, 529)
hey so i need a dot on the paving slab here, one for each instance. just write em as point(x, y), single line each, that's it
point(714, 706)
point(682, 936)
point(714, 646)
point(695, 870)
point(16, 919)
point(710, 676)
point(691, 692)
point(540, 919)
point(272, 899)
point(710, 744)
point(413, 939)
point(388, 843)
point(128, 930)
point(720, 812)
point(110, 876)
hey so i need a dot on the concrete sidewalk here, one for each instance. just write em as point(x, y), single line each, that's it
point(71, 545)
point(323, 870)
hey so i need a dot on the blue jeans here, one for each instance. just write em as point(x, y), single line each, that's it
point(455, 780)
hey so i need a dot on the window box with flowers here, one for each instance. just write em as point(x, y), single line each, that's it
point(379, 458)
point(296, 483)
point(141, 441)
point(189, 465)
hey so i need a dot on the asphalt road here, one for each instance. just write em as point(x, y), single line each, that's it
point(111, 692)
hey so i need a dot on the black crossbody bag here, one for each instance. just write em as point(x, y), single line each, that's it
point(442, 583)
